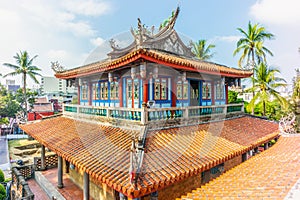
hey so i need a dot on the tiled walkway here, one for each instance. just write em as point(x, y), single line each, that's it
point(37, 190)
point(70, 191)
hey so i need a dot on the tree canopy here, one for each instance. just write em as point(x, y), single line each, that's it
point(25, 68)
point(202, 50)
point(266, 82)
point(251, 44)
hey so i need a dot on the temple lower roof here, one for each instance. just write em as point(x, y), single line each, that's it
point(171, 155)
point(269, 175)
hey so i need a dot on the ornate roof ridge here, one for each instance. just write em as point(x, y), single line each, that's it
point(154, 55)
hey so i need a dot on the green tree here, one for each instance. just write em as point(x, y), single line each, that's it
point(2, 192)
point(296, 85)
point(252, 46)
point(26, 68)
point(202, 50)
point(8, 105)
point(296, 98)
point(30, 95)
point(266, 82)
point(232, 96)
point(2, 178)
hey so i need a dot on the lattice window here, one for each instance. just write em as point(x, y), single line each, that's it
point(182, 90)
point(96, 94)
point(104, 90)
point(206, 90)
point(219, 90)
point(84, 89)
point(114, 90)
point(160, 89)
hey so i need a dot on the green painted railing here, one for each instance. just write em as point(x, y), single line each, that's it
point(145, 115)
point(235, 108)
point(164, 113)
point(116, 113)
point(125, 114)
point(70, 109)
point(93, 111)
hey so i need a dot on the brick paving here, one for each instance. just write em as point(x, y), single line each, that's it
point(37, 190)
point(70, 191)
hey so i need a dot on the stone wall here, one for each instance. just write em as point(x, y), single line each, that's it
point(232, 162)
point(98, 192)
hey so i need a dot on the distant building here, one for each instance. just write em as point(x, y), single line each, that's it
point(54, 85)
point(11, 86)
point(57, 90)
point(41, 108)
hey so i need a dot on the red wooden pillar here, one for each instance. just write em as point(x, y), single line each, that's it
point(145, 90)
point(90, 93)
point(173, 92)
point(121, 92)
point(78, 95)
point(212, 92)
point(226, 92)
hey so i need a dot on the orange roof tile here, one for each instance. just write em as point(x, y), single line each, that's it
point(171, 155)
point(46, 107)
point(156, 56)
point(269, 175)
point(41, 100)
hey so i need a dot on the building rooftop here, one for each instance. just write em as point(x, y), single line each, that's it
point(157, 56)
point(171, 155)
point(269, 175)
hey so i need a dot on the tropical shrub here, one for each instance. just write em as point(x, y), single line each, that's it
point(2, 178)
point(2, 192)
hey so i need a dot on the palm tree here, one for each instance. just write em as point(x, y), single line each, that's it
point(265, 84)
point(25, 68)
point(251, 45)
point(296, 85)
point(202, 50)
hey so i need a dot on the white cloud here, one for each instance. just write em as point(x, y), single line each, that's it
point(49, 16)
point(231, 38)
point(97, 41)
point(282, 18)
point(46, 29)
point(57, 55)
point(87, 7)
point(277, 11)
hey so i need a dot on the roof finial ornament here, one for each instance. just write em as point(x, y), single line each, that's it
point(113, 44)
point(56, 67)
point(141, 34)
point(170, 22)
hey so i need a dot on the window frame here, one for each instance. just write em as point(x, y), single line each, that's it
point(206, 90)
point(114, 90)
point(183, 87)
point(219, 91)
point(160, 93)
point(84, 91)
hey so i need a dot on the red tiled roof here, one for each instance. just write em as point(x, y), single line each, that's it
point(40, 100)
point(156, 56)
point(42, 107)
point(269, 175)
point(171, 155)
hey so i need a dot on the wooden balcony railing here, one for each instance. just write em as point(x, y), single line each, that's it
point(143, 116)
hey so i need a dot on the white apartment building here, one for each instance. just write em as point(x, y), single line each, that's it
point(54, 85)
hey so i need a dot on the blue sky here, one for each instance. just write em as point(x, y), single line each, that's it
point(69, 30)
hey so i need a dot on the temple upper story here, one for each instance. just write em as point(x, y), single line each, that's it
point(157, 70)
